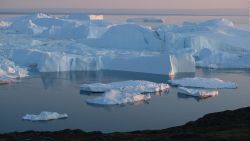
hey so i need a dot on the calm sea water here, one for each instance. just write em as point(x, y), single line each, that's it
point(60, 92)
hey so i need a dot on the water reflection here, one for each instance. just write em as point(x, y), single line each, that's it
point(186, 97)
point(51, 78)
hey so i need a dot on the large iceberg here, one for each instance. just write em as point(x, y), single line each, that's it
point(199, 82)
point(116, 97)
point(200, 93)
point(88, 42)
point(214, 44)
point(130, 86)
point(44, 116)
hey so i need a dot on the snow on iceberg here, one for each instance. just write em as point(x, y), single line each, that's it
point(127, 37)
point(199, 82)
point(227, 43)
point(116, 97)
point(197, 92)
point(130, 86)
point(43, 25)
point(9, 71)
point(44, 116)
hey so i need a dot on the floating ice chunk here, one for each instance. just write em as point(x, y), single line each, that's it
point(116, 97)
point(44, 116)
point(130, 86)
point(198, 92)
point(145, 20)
point(198, 82)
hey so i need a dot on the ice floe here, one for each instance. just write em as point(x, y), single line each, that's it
point(44, 116)
point(200, 93)
point(130, 86)
point(198, 82)
point(116, 97)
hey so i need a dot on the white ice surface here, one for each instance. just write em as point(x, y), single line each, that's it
point(181, 63)
point(130, 86)
point(198, 82)
point(116, 97)
point(44, 116)
point(9, 71)
point(198, 92)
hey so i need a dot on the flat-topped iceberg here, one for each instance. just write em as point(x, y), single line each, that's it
point(130, 86)
point(200, 93)
point(198, 82)
point(44, 116)
point(145, 20)
point(116, 97)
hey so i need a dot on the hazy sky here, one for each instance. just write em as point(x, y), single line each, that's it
point(130, 4)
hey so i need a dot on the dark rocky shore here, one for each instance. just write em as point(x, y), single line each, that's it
point(222, 126)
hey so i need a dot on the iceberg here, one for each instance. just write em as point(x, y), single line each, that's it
point(55, 61)
point(130, 86)
point(145, 20)
point(79, 42)
point(42, 25)
point(116, 97)
point(181, 63)
point(9, 71)
point(200, 93)
point(44, 116)
point(127, 37)
point(199, 82)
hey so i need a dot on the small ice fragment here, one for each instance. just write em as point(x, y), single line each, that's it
point(116, 97)
point(198, 92)
point(44, 116)
point(199, 82)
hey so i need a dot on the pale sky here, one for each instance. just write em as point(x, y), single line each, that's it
point(126, 4)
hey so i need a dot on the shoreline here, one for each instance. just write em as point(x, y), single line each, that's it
point(226, 125)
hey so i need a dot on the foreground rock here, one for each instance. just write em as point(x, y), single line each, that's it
point(222, 126)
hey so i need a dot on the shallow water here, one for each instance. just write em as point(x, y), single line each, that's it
point(60, 92)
